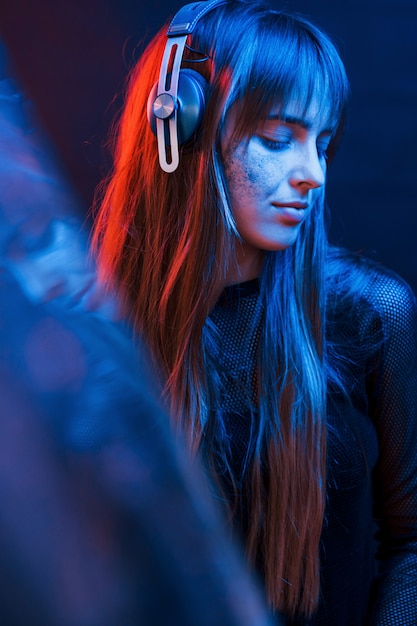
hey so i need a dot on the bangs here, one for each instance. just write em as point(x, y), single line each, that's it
point(287, 60)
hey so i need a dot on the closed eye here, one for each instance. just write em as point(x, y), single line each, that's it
point(323, 146)
point(322, 153)
point(274, 144)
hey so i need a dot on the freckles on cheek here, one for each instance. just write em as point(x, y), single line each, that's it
point(236, 175)
point(243, 168)
point(262, 171)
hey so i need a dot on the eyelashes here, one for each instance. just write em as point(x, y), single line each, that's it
point(322, 153)
point(277, 145)
point(274, 145)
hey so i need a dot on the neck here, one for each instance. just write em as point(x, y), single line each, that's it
point(247, 264)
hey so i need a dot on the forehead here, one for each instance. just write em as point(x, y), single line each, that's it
point(308, 96)
point(315, 115)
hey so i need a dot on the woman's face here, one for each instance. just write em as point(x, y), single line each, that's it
point(273, 180)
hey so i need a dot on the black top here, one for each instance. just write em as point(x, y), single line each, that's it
point(369, 539)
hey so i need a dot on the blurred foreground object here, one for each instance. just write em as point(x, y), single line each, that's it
point(43, 241)
point(105, 521)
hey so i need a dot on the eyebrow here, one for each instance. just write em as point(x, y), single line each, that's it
point(298, 121)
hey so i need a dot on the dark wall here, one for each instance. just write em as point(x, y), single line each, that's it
point(72, 57)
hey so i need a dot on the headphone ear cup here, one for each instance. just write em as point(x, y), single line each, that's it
point(192, 96)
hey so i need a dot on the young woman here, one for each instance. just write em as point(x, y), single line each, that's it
point(290, 366)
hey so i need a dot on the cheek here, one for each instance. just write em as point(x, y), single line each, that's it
point(237, 175)
point(250, 174)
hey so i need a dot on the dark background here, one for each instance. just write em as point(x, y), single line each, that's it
point(72, 56)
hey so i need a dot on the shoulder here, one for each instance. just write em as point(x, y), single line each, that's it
point(371, 293)
point(355, 277)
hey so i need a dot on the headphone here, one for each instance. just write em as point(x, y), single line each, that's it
point(177, 101)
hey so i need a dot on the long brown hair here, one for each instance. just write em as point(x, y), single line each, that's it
point(167, 241)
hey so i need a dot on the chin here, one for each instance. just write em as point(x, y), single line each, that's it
point(280, 246)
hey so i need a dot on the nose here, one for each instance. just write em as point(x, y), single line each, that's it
point(309, 171)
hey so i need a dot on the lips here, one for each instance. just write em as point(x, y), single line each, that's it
point(291, 205)
point(291, 213)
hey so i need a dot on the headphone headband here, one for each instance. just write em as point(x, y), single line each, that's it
point(185, 20)
point(166, 104)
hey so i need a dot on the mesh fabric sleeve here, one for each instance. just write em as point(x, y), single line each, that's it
point(392, 392)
